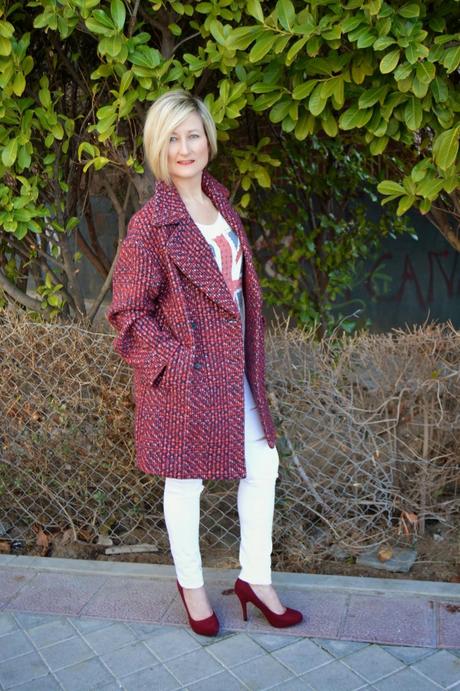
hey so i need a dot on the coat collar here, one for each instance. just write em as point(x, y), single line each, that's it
point(189, 250)
point(168, 206)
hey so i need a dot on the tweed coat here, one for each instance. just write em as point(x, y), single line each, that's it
point(181, 331)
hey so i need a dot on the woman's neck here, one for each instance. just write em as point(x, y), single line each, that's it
point(190, 190)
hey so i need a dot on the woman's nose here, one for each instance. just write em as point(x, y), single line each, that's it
point(183, 146)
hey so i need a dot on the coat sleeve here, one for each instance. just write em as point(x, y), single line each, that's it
point(137, 280)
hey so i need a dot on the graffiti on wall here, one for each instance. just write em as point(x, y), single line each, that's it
point(439, 281)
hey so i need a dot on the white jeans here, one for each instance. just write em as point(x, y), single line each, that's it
point(256, 498)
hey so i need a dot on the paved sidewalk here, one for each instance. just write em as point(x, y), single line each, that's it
point(80, 625)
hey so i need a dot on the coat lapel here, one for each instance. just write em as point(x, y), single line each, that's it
point(189, 250)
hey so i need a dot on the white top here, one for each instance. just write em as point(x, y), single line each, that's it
point(228, 253)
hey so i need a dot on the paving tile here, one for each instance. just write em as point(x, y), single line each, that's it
point(381, 619)
point(18, 670)
point(7, 624)
point(193, 666)
point(442, 667)
point(271, 641)
point(129, 659)
point(12, 580)
point(52, 632)
point(91, 671)
point(234, 650)
point(449, 624)
point(142, 630)
point(405, 680)
point(171, 643)
point(372, 663)
point(151, 679)
point(66, 653)
point(109, 638)
point(322, 612)
point(47, 683)
point(14, 644)
point(295, 684)
point(226, 607)
point(123, 598)
point(56, 592)
point(340, 648)
point(28, 620)
point(86, 624)
point(112, 686)
point(302, 656)
point(262, 672)
point(224, 681)
point(408, 654)
point(204, 641)
point(334, 677)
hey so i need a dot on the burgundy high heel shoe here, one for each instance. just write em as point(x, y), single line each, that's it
point(246, 594)
point(203, 627)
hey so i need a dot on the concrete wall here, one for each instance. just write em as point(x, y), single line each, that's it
point(408, 282)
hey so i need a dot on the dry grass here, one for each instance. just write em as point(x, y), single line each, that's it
point(368, 440)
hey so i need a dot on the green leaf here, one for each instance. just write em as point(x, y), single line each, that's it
point(317, 101)
point(301, 91)
point(19, 84)
point(451, 59)
point(419, 89)
point(440, 90)
point(261, 47)
point(389, 187)
point(389, 61)
point(410, 10)
point(280, 111)
point(354, 117)
point(425, 72)
point(383, 42)
point(445, 148)
point(413, 113)
point(405, 204)
point(97, 28)
point(240, 38)
point(9, 153)
point(118, 12)
point(378, 145)
point(254, 8)
point(370, 97)
point(295, 48)
point(5, 47)
point(286, 13)
point(329, 123)
point(305, 126)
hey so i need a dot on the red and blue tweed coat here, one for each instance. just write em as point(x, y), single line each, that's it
point(180, 330)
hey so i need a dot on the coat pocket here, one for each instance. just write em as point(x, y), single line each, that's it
point(176, 371)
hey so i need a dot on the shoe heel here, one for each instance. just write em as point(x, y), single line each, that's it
point(243, 607)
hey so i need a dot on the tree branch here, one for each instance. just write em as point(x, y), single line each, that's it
point(20, 297)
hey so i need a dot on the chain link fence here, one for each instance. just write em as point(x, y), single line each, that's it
point(369, 429)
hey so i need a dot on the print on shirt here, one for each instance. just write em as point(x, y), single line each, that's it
point(228, 253)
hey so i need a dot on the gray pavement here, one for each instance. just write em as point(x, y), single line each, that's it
point(80, 625)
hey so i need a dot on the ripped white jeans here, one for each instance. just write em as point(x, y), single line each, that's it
point(256, 498)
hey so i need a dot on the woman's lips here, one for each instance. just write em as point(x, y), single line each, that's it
point(185, 163)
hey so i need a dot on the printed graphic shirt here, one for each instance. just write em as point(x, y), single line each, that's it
point(227, 251)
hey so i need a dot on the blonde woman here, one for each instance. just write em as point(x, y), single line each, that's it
point(187, 306)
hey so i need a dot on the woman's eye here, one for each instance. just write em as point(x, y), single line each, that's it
point(172, 139)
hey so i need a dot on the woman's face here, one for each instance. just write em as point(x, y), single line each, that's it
point(188, 150)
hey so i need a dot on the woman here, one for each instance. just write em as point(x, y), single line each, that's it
point(188, 308)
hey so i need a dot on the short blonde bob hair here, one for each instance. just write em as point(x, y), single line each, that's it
point(163, 116)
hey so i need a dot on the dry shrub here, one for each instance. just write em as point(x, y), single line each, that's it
point(368, 428)
point(371, 424)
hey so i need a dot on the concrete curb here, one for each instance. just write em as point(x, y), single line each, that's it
point(302, 581)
